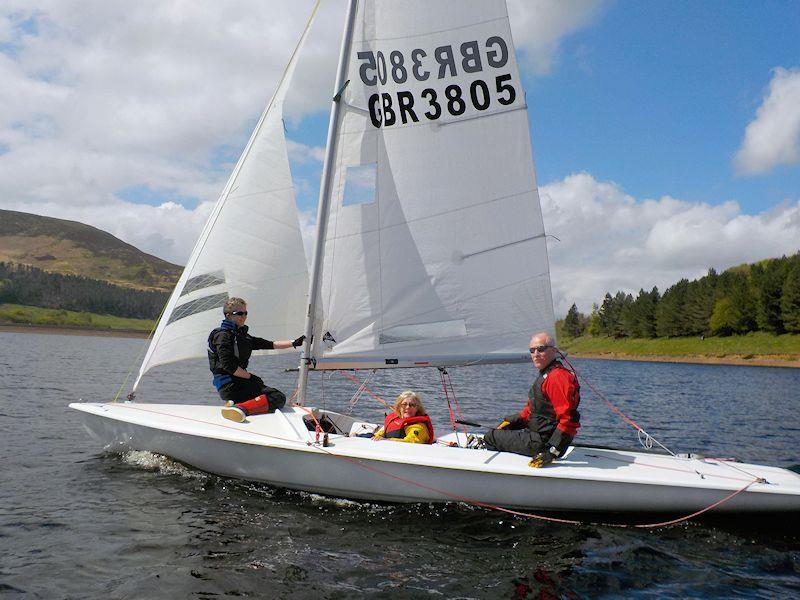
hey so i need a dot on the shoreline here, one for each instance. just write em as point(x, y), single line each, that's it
point(767, 360)
point(792, 362)
point(67, 330)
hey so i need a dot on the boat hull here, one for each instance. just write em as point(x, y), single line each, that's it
point(280, 450)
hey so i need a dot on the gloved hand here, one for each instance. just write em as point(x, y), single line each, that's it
point(299, 341)
point(503, 425)
point(542, 459)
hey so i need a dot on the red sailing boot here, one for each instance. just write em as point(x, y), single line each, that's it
point(237, 412)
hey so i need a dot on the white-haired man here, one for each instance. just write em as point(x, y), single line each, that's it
point(547, 424)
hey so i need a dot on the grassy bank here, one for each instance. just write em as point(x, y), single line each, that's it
point(16, 314)
point(752, 346)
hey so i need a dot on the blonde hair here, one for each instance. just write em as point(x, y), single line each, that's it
point(231, 304)
point(409, 395)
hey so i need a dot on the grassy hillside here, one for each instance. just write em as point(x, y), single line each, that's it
point(72, 248)
point(17, 314)
point(758, 344)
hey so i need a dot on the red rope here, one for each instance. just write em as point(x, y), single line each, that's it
point(700, 512)
point(624, 417)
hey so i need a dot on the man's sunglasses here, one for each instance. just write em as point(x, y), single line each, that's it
point(539, 349)
point(239, 313)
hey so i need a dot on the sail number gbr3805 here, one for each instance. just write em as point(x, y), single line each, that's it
point(431, 84)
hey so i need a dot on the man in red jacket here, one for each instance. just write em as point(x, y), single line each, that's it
point(550, 420)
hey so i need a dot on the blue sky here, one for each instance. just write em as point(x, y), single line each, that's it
point(656, 96)
point(666, 134)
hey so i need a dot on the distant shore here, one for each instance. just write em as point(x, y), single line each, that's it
point(754, 361)
point(790, 361)
point(64, 330)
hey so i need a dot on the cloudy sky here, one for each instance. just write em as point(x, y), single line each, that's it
point(666, 134)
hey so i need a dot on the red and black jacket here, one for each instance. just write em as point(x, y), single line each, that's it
point(552, 407)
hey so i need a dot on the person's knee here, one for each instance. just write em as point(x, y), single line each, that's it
point(489, 440)
point(277, 399)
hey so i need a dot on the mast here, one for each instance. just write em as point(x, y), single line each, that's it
point(325, 198)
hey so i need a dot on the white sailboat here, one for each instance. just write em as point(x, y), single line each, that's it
point(444, 263)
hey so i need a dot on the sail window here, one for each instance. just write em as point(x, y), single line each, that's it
point(423, 331)
point(197, 306)
point(200, 282)
point(359, 186)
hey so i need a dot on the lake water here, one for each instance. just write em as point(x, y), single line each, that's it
point(77, 523)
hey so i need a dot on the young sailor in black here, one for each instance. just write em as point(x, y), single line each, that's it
point(229, 348)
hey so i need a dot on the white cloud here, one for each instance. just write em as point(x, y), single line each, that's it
point(303, 154)
point(539, 27)
point(100, 97)
point(611, 241)
point(308, 229)
point(773, 138)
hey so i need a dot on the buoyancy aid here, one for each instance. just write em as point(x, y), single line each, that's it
point(394, 425)
point(221, 377)
point(543, 418)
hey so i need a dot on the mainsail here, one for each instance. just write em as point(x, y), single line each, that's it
point(434, 249)
point(251, 247)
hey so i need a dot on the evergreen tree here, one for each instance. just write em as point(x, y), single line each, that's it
point(626, 323)
point(669, 312)
point(769, 279)
point(572, 323)
point(606, 316)
point(593, 326)
point(644, 309)
point(23, 284)
point(698, 306)
point(743, 303)
point(790, 300)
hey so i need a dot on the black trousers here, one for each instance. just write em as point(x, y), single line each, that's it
point(240, 390)
point(518, 441)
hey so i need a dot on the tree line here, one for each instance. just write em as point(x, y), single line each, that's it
point(760, 297)
point(24, 284)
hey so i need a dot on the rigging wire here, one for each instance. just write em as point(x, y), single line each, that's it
point(645, 438)
point(135, 361)
point(355, 379)
point(359, 392)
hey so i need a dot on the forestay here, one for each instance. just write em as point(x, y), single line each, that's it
point(435, 249)
point(251, 247)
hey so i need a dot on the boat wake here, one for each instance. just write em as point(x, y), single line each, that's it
point(150, 461)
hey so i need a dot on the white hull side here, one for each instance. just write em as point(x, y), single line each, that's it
point(279, 450)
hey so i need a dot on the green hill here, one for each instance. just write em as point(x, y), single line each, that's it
point(72, 248)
